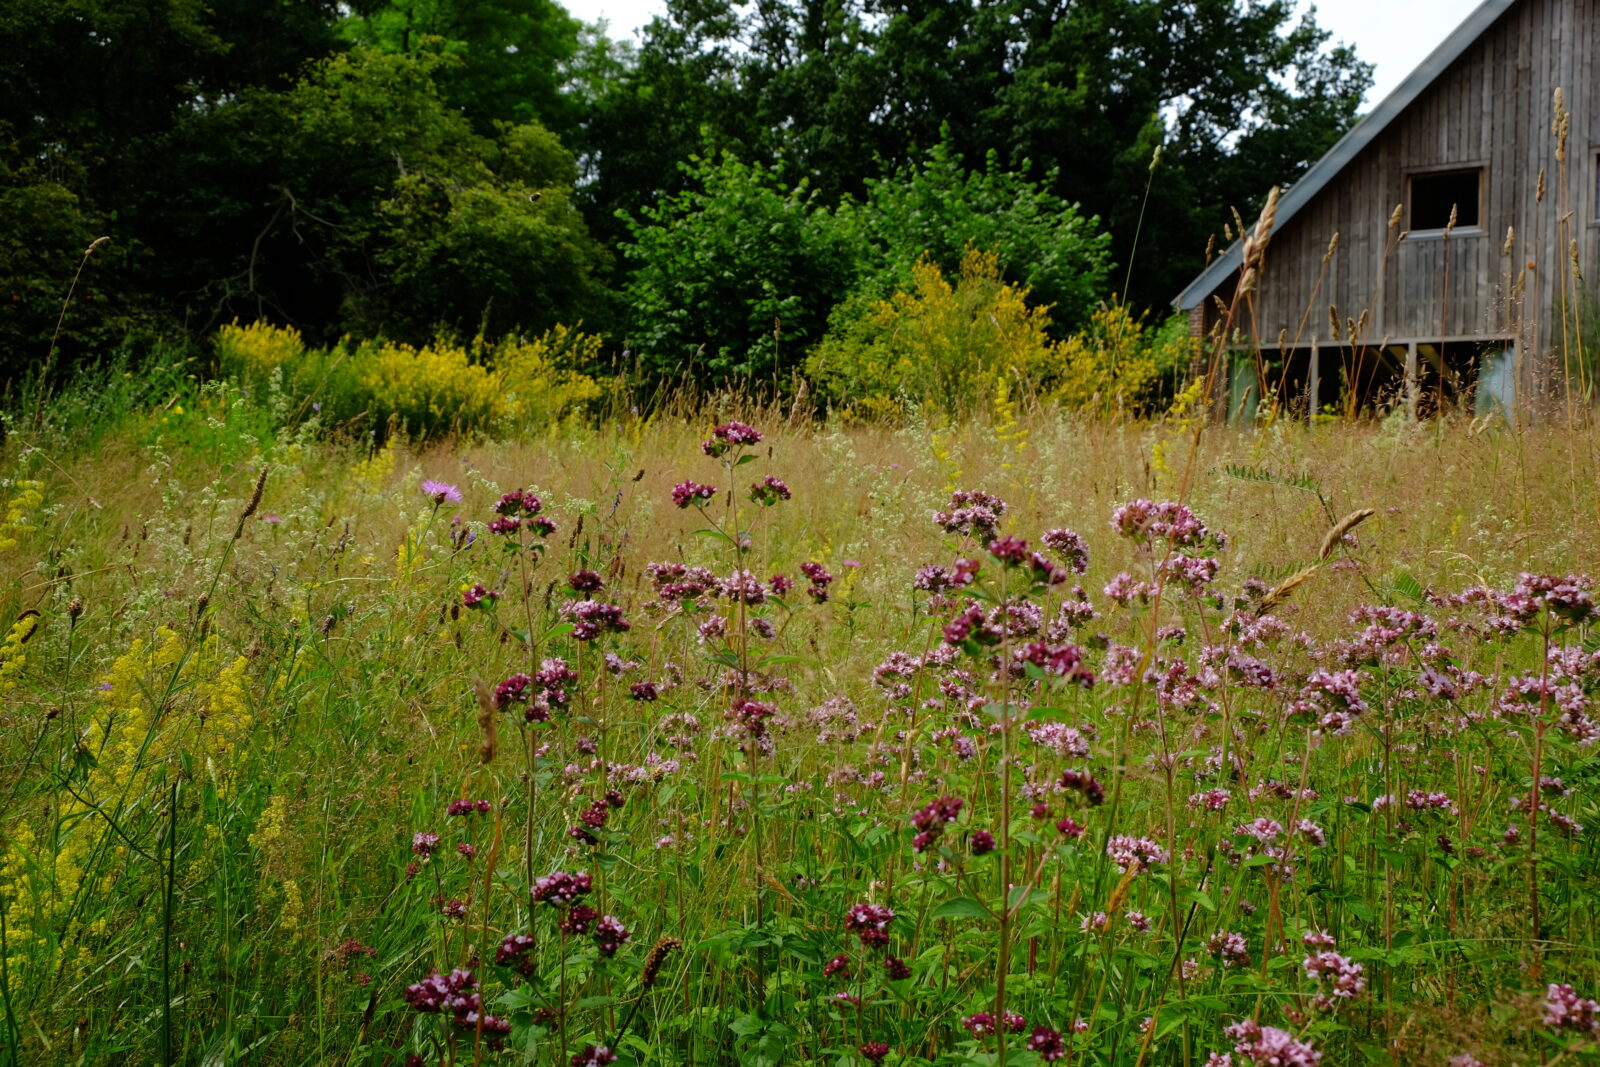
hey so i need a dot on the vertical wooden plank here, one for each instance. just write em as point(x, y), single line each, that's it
point(1411, 380)
point(1313, 378)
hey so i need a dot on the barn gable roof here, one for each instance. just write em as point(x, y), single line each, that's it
point(1350, 145)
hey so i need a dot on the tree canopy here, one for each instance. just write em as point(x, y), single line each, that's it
point(395, 166)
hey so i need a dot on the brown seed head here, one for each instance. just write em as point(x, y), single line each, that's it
point(658, 955)
point(1331, 539)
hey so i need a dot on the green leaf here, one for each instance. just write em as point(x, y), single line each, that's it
point(961, 908)
point(715, 535)
point(1408, 587)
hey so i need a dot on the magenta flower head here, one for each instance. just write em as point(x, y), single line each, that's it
point(1270, 1045)
point(467, 807)
point(423, 843)
point(979, 1024)
point(874, 1051)
point(728, 436)
point(982, 842)
point(768, 491)
point(518, 503)
point(585, 582)
point(973, 513)
point(591, 618)
point(685, 494)
point(1069, 547)
point(1009, 550)
point(870, 923)
point(609, 935)
point(1046, 1044)
point(440, 493)
point(512, 948)
point(594, 1056)
point(561, 888)
point(477, 596)
point(1565, 1010)
point(1170, 520)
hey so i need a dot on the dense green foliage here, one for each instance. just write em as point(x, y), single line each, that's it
point(390, 167)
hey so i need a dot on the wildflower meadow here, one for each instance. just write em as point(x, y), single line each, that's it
point(735, 737)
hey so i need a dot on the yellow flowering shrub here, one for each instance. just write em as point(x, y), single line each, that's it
point(134, 739)
point(1118, 364)
point(26, 497)
point(12, 656)
point(540, 382)
point(939, 345)
point(440, 388)
point(423, 391)
point(251, 353)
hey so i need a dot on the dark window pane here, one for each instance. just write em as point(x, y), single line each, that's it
point(1433, 195)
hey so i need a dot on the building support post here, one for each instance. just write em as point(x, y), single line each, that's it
point(1411, 381)
point(1313, 380)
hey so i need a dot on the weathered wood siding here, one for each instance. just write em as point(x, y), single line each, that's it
point(1492, 108)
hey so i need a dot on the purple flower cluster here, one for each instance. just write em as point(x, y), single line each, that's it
point(513, 949)
point(1063, 661)
point(1046, 1044)
point(518, 511)
point(870, 923)
point(1565, 1010)
point(593, 1056)
point(973, 513)
point(931, 819)
point(1230, 948)
point(688, 493)
point(1129, 852)
point(477, 596)
point(562, 889)
point(585, 582)
point(730, 435)
point(1340, 976)
point(768, 491)
point(591, 618)
point(972, 625)
point(820, 579)
point(1085, 783)
point(610, 935)
point(1070, 548)
point(457, 995)
point(1145, 520)
point(751, 716)
point(467, 807)
point(982, 1024)
point(1268, 1046)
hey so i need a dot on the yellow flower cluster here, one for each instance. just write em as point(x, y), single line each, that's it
point(442, 387)
point(948, 347)
point(429, 390)
point(12, 657)
point(24, 501)
point(541, 386)
point(130, 738)
point(253, 352)
point(938, 345)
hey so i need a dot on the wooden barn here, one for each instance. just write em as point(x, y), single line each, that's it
point(1432, 256)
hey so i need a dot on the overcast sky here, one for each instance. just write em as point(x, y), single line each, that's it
point(1395, 35)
